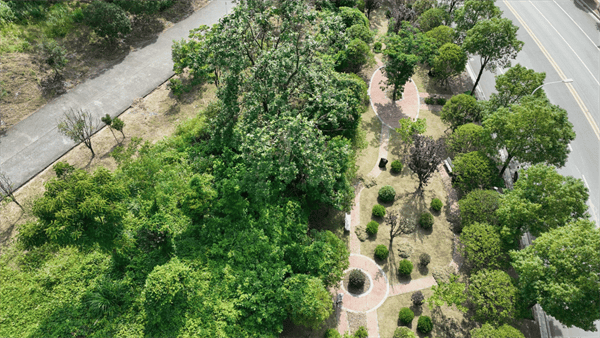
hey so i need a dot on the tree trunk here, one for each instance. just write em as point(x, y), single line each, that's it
point(111, 130)
point(394, 93)
point(15, 200)
point(88, 144)
point(505, 165)
point(478, 78)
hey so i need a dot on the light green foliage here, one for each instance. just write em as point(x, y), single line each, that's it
point(361, 333)
point(559, 271)
point(381, 252)
point(467, 138)
point(309, 302)
point(408, 129)
point(378, 210)
point(436, 204)
point(77, 209)
point(517, 82)
point(405, 268)
point(451, 293)
point(353, 16)
point(495, 41)
point(359, 31)
point(542, 200)
point(409, 40)
point(396, 166)
point(406, 316)
point(472, 12)
point(489, 331)
point(403, 332)
point(475, 170)
point(451, 61)
point(494, 296)
point(332, 333)
point(482, 247)
point(6, 14)
point(372, 228)
point(193, 56)
point(399, 68)
point(479, 206)
point(107, 20)
point(532, 124)
point(441, 35)
point(387, 194)
point(461, 109)
point(356, 55)
point(421, 6)
point(433, 18)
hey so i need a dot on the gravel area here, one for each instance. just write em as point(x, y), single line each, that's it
point(356, 320)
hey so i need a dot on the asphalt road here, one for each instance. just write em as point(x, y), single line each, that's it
point(562, 39)
point(33, 144)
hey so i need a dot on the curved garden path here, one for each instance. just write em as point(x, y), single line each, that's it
point(389, 113)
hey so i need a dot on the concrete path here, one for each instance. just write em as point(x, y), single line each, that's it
point(33, 144)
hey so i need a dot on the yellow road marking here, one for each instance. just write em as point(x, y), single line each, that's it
point(562, 75)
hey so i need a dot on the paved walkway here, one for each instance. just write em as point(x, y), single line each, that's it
point(33, 144)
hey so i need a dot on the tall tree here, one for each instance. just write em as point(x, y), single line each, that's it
point(475, 170)
point(425, 156)
point(533, 131)
point(371, 5)
point(433, 18)
point(409, 129)
point(479, 206)
point(466, 138)
point(461, 109)
point(493, 294)
point(452, 4)
point(482, 247)
point(495, 41)
point(79, 126)
point(450, 61)
point(517, 82)
point(560, 271)
point(399, 68)
point(442, 35)
point(309, 302)
point(472, 12)
point(7, 189)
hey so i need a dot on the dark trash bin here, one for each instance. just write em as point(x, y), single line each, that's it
point(382, 163)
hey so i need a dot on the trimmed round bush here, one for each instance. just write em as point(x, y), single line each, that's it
point(378, 210)
point(372, 228)
point(381, 252)
point(403, 332)
point(406, 315)
point(417, 298)
point(361, 333)
point(332, 333)
point(405, 267)
point(426, 220)
point(387, 194)
point(436, 204)
point(424, 325)
point(424, 259)
point(397, 167)
point(357, 279)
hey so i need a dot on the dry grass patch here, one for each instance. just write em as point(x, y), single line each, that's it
point(436, 242)
point(151, 118)
point(435, 127)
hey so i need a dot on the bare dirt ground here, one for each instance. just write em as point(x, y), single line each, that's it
point(25, 79)
point(151, 118)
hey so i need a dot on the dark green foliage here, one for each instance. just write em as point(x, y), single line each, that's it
point(424, 325)
point(354, 57)
point(406, 315)
point(371, 5)
point(387, 194)
point(433, 18)
point(426, 220)
point(356, 279)
point(489, 331)
point(479, 206)
point(482, 246)
point(55, 55)
point(436, 204)
point(440, 101)
point(107, 20)
point(493, 295)
point(461, 109)
point(332, 333)
point(378, 210)
point(352, 16)
point(143, 7)
point(377, 47)
point(372, 228)
point(403, 332)
point(417, 298)
point(475, 170)
point(467, 138)
point(424, 259)
point(442, 35)
point(405, 267)
point(396, 166)
point(309, 302)
point(106, 298)
point(422, 6)
point(361, 333)
point(381, 252)
point(359, 31)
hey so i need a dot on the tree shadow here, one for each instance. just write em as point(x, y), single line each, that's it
point(416, 309)
point(391, 113)
point(373, 125)
point(423, 270)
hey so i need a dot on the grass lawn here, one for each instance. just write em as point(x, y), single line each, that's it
point(367, 157)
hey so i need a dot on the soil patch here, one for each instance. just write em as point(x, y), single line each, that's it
point(354, 290)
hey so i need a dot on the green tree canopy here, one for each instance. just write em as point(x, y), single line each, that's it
point(560, 272)
point(309, 302)
point(482, 246)
point(461, 109)
point(450, 293)
point(442, 35)
point(533, 131)
point(466, 138)
point(516, 83)
point(473, 11)
point(489, 331)
point(493, 295)
point(475, 170)
point(356, 55)
point(433, 18)
point(479, 206)
point(450, 61)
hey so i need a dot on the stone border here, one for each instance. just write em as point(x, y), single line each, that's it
point(387, 291)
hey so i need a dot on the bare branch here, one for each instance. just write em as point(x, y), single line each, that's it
point(79, 126)
point(7, 188)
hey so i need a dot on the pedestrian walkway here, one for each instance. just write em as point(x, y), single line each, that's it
point(33, 144)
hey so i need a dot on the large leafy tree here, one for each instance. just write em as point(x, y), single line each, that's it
point(475, 170)
point(493, 295)
point(479, 206)
point(542, 200)
point(473, 11)
point(495, 41)
point(433, 18)
point(533, 131)
point(399, 68)
point(461, 109)
point(489, 331)
point(450, 293)
point(442, 35)
point(309, 302)
point(482, 246)
point(450, 61)
point(516, 83)
point(466, 138)
point(560, 271)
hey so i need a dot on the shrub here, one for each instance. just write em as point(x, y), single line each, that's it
point(403, 332)
point(424, 259)
point(360, 32)
point(397, 167)
point(381, 252)
point(475, 170)
point(440, 101)
point(378, 210)
point(406, 316)
point(377, 47)
point(405, 267)
point(417, 298)
point(479, 206)
point(107, 20)
point(54, 54)
point(361, 333)
point(372, 228)
point(352, 16)
point(429, 100)
point(426, 220)
point(436, 204)
point(332, 333)
point(354, 57)
point(387, 194)
point(357, 279)
point(6, 13)
point(424, 325)
point(143, 7)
